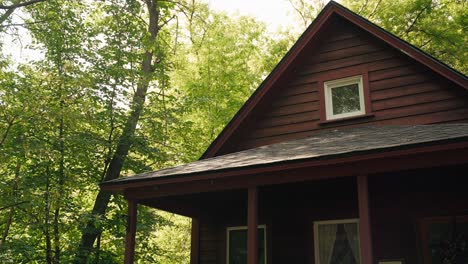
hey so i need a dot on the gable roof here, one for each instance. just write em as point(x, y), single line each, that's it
point(332, 8)
point(325, 145)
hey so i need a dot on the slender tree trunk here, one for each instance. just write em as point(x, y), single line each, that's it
point(98, 249)
point(61, 182)
point(10, 122)
point(11, 213)
point(90, 232)
point(47, 219)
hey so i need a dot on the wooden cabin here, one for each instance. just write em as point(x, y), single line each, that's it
point(353, 150)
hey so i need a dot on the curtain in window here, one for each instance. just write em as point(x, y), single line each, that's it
point(327, 237)
point(353, 239)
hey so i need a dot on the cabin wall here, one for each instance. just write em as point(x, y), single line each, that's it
point(401, 90)
point(287, 212)
point(397, 202)
point(210, 241)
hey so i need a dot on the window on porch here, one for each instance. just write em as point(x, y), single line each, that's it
point(237, 245)
point(337, 241)
point(444, 239)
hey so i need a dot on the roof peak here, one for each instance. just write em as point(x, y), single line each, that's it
point(332, 8)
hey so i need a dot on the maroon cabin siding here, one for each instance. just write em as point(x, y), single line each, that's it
point(396, 208)
point(397, 202)
point(210, 243)
point(289, 222)
point(401, 91)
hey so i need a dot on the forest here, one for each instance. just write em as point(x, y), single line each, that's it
point(128, 86)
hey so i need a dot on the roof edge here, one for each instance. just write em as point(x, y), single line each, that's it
point(416, 148)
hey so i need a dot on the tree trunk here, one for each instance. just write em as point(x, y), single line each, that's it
point(61, 182)
point(47, 219)
point(90, 232)
point(11, 214)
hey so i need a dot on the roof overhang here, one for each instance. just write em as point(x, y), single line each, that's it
point(383, 161)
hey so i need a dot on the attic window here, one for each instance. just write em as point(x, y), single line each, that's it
point(344, 98)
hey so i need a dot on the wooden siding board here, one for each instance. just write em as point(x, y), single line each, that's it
point(393, 72)
point(296, 99)
point(277, 130)
point(299, 89)
point(288, 119)
point(400, 81)
point(402, 101)
point(209, 243)
point(423, 108)
point(346, 52)
point(344, 44)
point(348, 61)
point(392, 62)
point(404, 91)
point(341, 33)
point(294, 109)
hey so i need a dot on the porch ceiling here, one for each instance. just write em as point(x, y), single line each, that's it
point(324, 145)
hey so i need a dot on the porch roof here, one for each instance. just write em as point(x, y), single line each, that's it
point(327, 144)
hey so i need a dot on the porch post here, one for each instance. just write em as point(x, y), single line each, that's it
point(252, 223)
point(195, 243)
point(364, 220)
point(131, 231)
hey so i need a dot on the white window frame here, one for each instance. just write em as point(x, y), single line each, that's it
point(233, 228)
point(328, 222)
point(329, 85)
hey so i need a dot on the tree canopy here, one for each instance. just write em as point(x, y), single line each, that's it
point(129, 86)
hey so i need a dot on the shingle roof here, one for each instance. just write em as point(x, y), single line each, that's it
point(324, 145)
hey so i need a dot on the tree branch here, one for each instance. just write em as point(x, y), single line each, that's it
point(374, 11)
point(408, 30)
point(10, 124)
point(13, 205)
point(363, 7)
point(14, 6)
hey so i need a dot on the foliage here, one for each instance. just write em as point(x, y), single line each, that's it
point(62, 117)
point(221, 61)
point(437, 27)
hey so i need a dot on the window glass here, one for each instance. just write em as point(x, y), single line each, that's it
point(238, 246)
point(448, 242)
point(338, 243)
point(345, 99)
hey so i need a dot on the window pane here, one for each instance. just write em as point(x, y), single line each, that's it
point(345, 99)
point(448, 242)
point(238, 246)
point(339, 243)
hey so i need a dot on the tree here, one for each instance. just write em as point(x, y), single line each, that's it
point(151, 62)
point(221, 61)
point(9, 8)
